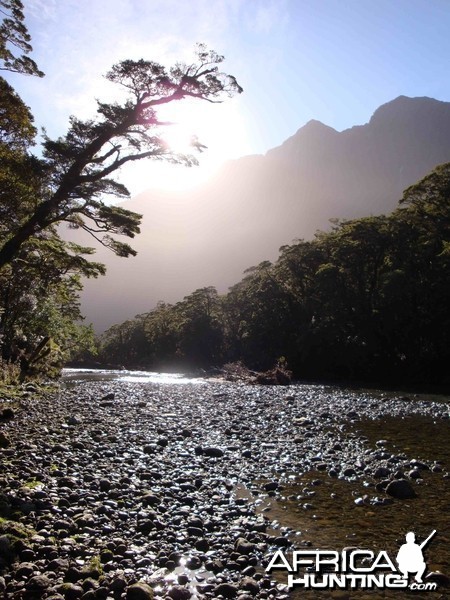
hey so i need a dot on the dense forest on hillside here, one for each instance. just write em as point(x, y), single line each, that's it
point(368, 300)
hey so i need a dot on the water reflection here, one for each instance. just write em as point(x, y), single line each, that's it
point(71, 375)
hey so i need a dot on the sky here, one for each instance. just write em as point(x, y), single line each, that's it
point(331, 60)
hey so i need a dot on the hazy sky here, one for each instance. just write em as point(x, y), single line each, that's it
point(331, 60)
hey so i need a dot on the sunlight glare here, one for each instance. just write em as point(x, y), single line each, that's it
point(179, 138)
point(221, 131)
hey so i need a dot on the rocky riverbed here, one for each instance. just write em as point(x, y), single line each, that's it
point(119, 489)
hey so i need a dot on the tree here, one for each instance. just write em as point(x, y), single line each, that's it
point(16, 121)
point(14, 37)
point(125, 344)
point(161, 331)
point(77, 168)
point(39, 272)
point(200, 327)
point(257, 317)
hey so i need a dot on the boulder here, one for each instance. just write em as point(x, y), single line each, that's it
point(401, 489)
point(139, 591)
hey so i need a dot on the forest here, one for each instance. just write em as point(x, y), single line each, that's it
point(366, 301)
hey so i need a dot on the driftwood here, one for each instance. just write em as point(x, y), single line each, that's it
point(238, 372)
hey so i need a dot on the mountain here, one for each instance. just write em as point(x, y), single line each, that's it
point(255, 204)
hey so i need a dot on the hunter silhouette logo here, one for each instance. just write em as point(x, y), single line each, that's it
point(410, 558)
point(356, 567)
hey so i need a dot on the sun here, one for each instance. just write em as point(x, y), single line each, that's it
point(212, 133)
point(179, 138)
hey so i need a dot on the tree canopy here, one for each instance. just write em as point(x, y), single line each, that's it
point(76, 170)
point(367, 300)
point(15, 40)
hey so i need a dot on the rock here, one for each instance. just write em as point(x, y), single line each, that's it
point(440, 578)
point(6, 549)
point(349, 472)
point(417, 464)
point(70, 591)
point(25, 569)
point(362, 501)
point(150, 499)
point(381, 473)
point(227, 590)
point(195, 521)
point(352, 414)
point(243, 546)
point(73, 574)
point(271, 486)
point(401, 489)
point(118, 584)
point(106, 556)
point(4, 440)
point(89, 595)
point(202, 545)
point(38, 584)
point(281, 541)
point(109, 510)
point(193, 562)
point(2, 584)
point(178, 592)
point(104, 485)
point(139, 591)
point(7, 413)
point(211, 451)
point(58, 564)
point(415, 474)
point(250, 585)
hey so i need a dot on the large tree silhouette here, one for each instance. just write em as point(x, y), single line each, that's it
point(76, 170)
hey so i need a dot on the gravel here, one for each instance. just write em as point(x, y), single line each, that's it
point(128, 490)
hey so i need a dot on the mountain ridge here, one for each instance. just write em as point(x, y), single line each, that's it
point(257, 203)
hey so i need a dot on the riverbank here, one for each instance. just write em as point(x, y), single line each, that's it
point(128, 489)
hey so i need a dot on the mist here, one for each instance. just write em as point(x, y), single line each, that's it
point(207, 236)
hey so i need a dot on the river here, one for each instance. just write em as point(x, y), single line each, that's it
point(323, 512)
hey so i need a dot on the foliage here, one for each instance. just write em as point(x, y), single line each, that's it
point(187, 334)
point(76, 171)
point(367, 300)
point(14, 37)
point(9, 374)
point(40, 274)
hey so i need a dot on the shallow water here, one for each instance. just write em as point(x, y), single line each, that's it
point(333, 521)
point(73, 375)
